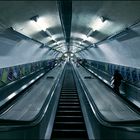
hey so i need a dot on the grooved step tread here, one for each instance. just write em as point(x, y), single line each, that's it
point(69, 116)
point(72, 130)
point(71, 100)
point(66, 97)
point(69, 94)
point(72, 106)
point(69, 126)
point(69, 112)
point(69, 90)
point(69, 122)
point(70, 133)
point(65, 111)
point(69, 103)
point(69, 108)
point(66, 138)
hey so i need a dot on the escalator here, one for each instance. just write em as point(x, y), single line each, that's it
point(28, 115)
point(69, 121)
point(107, 115)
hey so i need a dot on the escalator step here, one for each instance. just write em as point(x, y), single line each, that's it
point(69, 118)
point(67, 97)
point(74, 106)
point(67, 133)
point(69, 103)
point(69, 94)
point(69, 90)
point(69, 100)
point(69, 113)
point(69, 125)
point(69, 107)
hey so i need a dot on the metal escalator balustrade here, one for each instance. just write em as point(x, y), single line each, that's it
point(117, 121)
point(69, 121)
point(29, 117)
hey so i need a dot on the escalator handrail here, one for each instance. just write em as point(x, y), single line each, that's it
point(14, 94)
point(50, 97)
point(129, 125)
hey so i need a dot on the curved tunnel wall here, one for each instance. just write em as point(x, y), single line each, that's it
point(20, 56)
point(124, 50)
point(16, 49)
point(10, 74)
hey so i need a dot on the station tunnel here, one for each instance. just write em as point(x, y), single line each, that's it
point(58, 62)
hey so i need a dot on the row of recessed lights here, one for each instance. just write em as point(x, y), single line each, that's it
point(100, 23)
point(36, 19)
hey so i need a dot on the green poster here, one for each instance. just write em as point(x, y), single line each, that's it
point(4, 75)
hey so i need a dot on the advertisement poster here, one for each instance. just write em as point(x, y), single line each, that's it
point(0, 73)
point(128, 74)
point(10, 74)
point(123, 71)
point(4, 77)
point(134, 73)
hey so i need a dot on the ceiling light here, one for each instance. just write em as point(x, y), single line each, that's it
point(34, 18)
point(71, 54)
point(57, 43)
point(40, 22)
point(85, 37)
point(99, 23)
point(48, 32)
point(90, 32)
point(52, 38)
point(103, 19)
point(44, 33)
point(95, 46)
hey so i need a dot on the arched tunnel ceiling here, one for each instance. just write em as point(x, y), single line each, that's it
point(86, 25)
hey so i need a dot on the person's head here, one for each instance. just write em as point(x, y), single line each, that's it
point(116, 71)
